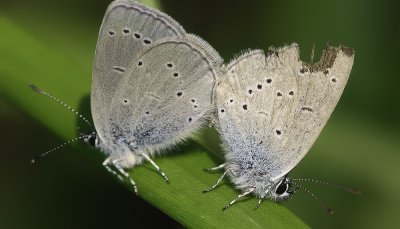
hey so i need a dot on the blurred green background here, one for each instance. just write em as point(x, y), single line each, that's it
point(360, 145)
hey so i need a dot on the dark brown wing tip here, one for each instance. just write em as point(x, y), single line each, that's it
point(328, 57)
point(347, 51)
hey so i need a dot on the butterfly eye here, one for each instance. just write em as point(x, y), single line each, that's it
point(92, 140)
point(282, 188)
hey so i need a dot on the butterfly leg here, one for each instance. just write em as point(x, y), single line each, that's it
point(215, 185)
point(156, 166)
point(238, 197)
point(221, 166)
point(260, 202)
point(123, 172)
point(106, 164)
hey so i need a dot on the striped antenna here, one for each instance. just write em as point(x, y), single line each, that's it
point(340, 187)
point(322, 204)
point(42, 92)
point(45, 154)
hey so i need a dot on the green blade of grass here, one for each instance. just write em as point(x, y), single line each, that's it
point(24, 60)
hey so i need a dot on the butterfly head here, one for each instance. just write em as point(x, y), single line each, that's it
point(282, 189)
point(92, 139)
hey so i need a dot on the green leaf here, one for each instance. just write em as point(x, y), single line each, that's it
point(24, 60)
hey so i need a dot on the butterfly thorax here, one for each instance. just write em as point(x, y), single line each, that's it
point(249, 170)
point(249, 173)
point(126, 153)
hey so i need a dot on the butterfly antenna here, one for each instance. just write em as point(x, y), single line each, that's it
point(45, 154)
point(322, 204)
point(40, 91)
point(293, 192)
point(340, 187)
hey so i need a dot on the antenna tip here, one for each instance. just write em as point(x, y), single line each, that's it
point(34, 88)
point(354, 190)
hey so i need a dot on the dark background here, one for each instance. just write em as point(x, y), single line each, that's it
point(66, 192)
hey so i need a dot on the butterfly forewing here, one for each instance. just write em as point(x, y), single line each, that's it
point(128, 29)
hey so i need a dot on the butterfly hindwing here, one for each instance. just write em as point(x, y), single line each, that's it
point(274, 107)
point(167, 93)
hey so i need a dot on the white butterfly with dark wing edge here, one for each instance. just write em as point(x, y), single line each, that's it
point(152, 86)
point(270, 110)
